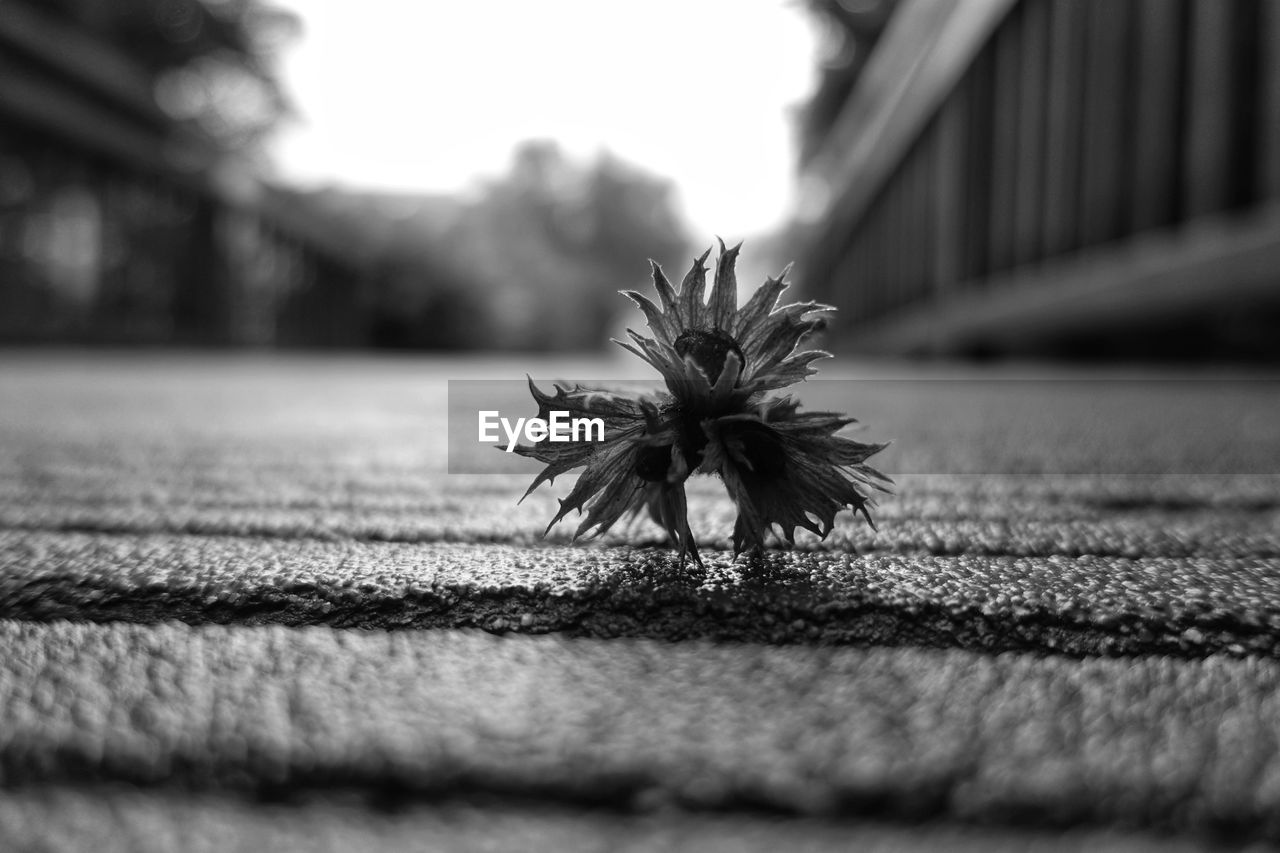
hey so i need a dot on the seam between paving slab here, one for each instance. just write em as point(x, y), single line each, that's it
point(74, 817)
point(1086, 606)
point(1006, 538)
point(606, 614)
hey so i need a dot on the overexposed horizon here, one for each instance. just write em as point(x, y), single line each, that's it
point(431, 97)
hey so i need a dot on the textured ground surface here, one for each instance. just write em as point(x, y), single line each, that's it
point(243, 603)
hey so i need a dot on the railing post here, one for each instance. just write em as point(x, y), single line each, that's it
point(1269, 100)
point(1159, 83)
point(1028, 202)
point(1065, 128)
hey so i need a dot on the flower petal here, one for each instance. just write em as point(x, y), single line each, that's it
point(668, 507)
point(726, 385)
point(666, 293)
point(760, 304)
point(724, 294)
point(657, 321)
point(693, 313)
point(777, 337)
point(626, 420)
point(621, 494)
point(793, 472)
point(787, 372)
point(659, 355)
point(608, 484)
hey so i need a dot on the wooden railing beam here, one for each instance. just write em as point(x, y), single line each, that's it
point(93, 64)
point(1217, 260)
point(917, 60)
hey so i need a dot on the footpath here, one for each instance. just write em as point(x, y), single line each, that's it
point(244, 605)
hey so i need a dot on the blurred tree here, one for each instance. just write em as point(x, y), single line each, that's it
point(532, 260)
point(424, 302)
point(554, 239)
point(228, 85)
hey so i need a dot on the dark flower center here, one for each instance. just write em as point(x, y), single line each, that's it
point(763, 449)
point(708, 348)
point(652, 463)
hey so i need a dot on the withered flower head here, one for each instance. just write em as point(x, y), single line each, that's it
point(779, 465)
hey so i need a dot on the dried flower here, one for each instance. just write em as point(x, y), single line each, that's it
point(779, 465)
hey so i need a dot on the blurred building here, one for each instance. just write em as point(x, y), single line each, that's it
point(130, 210)
point(1082, 177)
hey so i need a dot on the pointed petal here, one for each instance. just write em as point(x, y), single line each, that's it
point(623, 493)
point(692, 311)
point(592, 402)
point(817, 478)
point(655, 318)
point(642, 352)
point(745, 535)
point(625, 421)
point(758, 306)
point(787, 372)
point(693, 381)
point(770, 342)
point(672, 511)
point(724, 294)
point(659, 355)
point(726, 382)
point(614, 464)
point(628, 347)
point(850, 452)
point(559, 458)
point(666, 293)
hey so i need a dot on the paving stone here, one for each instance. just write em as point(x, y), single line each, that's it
point(1171, 745)
point(113, 820)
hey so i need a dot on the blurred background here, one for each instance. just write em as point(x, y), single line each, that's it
point(1083, 179)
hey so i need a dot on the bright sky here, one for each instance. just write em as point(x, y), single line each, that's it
point(431, 95)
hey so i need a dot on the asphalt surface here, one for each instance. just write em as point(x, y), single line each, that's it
point(1068, 622)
